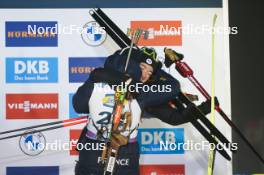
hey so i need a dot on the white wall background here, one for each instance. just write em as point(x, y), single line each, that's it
point(197, 51)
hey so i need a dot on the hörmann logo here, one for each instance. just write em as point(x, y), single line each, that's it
point(162, 169)
point(31, 70)
point(31, 34)
point(33, 170)
point(80, 68)
point(159, 33)
point(32, 106)
point(72, 112)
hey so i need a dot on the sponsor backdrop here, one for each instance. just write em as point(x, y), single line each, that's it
point(40, 70)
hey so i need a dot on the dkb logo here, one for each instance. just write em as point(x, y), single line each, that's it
point(150, 140)
point(31, 70)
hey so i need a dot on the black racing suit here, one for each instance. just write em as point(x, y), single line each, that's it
point(88, 163)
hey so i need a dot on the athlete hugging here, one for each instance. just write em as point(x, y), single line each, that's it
point(115, 112)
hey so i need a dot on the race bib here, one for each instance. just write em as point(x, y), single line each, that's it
point(101, 106)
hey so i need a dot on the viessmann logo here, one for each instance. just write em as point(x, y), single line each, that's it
point(32, 106)
point(159, 33)
point(31, 33)
point(74, 137)
point(89, 146)
point(162, 169)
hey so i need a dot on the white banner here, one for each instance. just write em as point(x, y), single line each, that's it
point(39, 74)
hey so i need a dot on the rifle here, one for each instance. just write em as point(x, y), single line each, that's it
point(116, 138)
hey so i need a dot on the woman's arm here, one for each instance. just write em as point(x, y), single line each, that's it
point(82, 96)
point(161, 79)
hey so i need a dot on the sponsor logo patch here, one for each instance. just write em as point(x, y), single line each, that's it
point(161, 140)
point(33, 170)
point(162, 170)
point(32, 106)
point(31, 70)
point(32, 144)
point(159, 33)
point(74, 137)
point(80, 68)
point(31, 34)
point(93, 34)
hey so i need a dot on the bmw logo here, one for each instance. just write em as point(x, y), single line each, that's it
point(149, 61)
point(32, 144)
point(93, 34)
